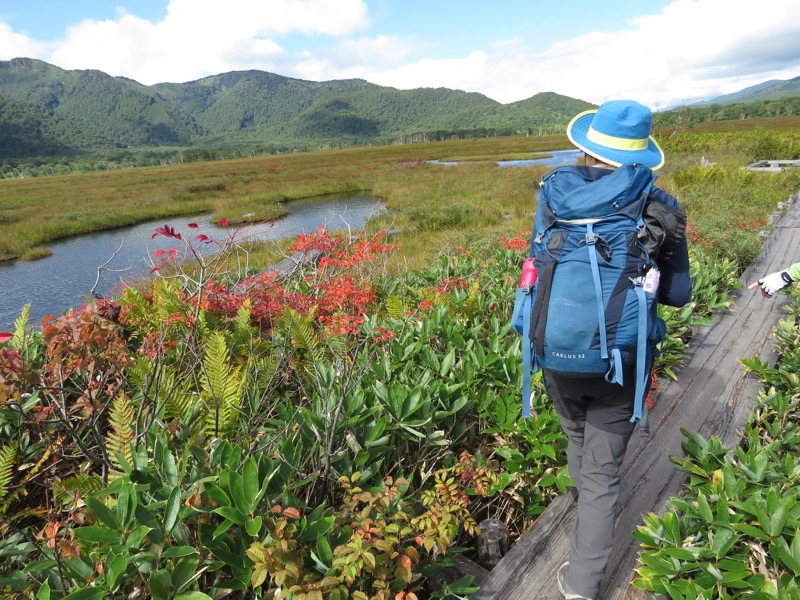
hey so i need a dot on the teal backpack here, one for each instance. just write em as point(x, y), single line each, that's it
point(589, 311)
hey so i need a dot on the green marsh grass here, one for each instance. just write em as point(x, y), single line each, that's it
point(41, 210)
point(430, 205)
point(36, 253)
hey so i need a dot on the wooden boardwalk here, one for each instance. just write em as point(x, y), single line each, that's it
point(713, 396)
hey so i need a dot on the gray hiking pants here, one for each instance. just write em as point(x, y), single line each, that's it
point(595, 416)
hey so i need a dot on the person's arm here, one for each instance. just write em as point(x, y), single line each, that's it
point(774, 282)
point(675, 285)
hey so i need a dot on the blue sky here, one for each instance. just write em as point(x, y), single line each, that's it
point(659, 52)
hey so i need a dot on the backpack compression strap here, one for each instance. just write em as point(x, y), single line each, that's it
point(527, 352)
point(641, 357)
point(614, 374)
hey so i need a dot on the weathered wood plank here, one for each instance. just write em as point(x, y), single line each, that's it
point(526, 565)
point(713, 397)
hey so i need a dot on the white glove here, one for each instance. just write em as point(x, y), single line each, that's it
point(774, 282)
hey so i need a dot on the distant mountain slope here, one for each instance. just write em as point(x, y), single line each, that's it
point(768, 90)
point(112, 108)
point(256, 107)
point(28, 130)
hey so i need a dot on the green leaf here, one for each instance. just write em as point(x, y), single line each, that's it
point(178, 551)
point(778, 520)
point(185, 571)
point(240, 499)
point(222, 528)
point(173, 509)
point(683, 553)
point(714, 572)
point(161, 587)
point(102, 535)
point(753, 531)
point(193, 596)
point(217, 494)
point(705, 509)
point(251, 482)
point(165, 463)
point(104, 514)
point(313, 530)
point(126, 504)
point(253, 526)
point(86, 594)
point(324, 551)
point(135, 537)
point(231, 514)
point(81, 567)
point(116, 570)
point(782, 553)
point(44, 592)
point(447, 363)
point(462, 586)
point(724, 540)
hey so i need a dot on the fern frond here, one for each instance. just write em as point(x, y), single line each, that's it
point(178, 400)
point(241, 326)
point(167, 298)
point(120, 435)
point(302, 332)
point(8, 456)
point(21, 326)
point(204, 328)
point(138, 374)
point(395, 307)
point(139, 313)
point(261, 371)
point(337, 346)
point(222, 385)
point(70, 492)
point(448, 301)
point(472, 302)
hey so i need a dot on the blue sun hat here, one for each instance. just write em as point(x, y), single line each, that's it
point(618, 132)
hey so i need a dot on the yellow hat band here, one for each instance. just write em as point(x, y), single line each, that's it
point(617, 143)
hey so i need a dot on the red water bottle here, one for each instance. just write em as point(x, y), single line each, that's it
point(528, 276)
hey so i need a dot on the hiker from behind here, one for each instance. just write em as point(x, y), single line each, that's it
point(608, 247)
point(778, 280)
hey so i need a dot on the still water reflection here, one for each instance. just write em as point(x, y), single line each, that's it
point(555, 158)
point(64, 280)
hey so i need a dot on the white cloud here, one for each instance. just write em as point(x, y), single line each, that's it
point(17, 45)
point(379, 52)
point(202, 37)
point(692, 49)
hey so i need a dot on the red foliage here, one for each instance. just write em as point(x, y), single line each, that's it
point(339, 292)
point(448, 285)
point(693, 236)
point(518, 242)
point(84, 343)
point(166, 231)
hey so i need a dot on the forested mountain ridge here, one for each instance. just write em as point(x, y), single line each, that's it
point(48, 114)
point(244, 108)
